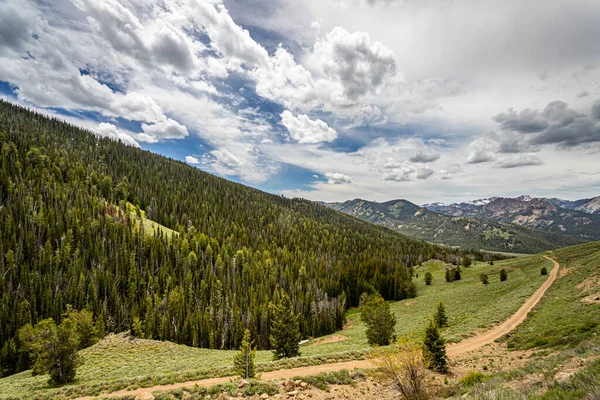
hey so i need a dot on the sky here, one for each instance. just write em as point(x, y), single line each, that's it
point(329, 100)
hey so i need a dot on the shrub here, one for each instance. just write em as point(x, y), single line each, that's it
point(472, 378)
point(405, 368)
point(544, 271)
point(484, 279)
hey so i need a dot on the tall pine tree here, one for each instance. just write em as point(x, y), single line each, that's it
point(380, 321)
point(243, 361)
point(285, 329)
point(434, 349)
point(440, 318)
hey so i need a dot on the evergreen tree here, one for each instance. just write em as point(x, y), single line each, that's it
point(484, 279)
point(285, 330)
point(466, 261)
point(380, 321)
point(503, 275)
point(544, 271)
point(440, 318)
point(428, 278)
point(448, 276)
point(456, 274)
point(434, 349)
point(84, 326)
point(243, 361)
point(53, 349)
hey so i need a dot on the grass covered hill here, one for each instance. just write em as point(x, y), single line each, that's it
point(563, 320)
point(134, 236)
point(419, 222)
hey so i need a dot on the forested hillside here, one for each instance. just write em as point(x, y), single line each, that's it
point(67, 237)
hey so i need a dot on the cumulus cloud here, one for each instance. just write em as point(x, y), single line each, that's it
point(337, 178)
point(423, 155)
point(361, 66)
point(166, 129)
point(481, 150)
point(424, 172)
point(556, 124)
point(305, 130)
point(111, 131)
point(401, 173)
point(520, 160)
point(191, 160)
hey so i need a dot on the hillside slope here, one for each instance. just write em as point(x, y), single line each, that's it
point(535, 213)
point(67, 236)
point(419, 222)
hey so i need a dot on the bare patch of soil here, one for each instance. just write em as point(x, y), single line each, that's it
point(589, 283)
point(592, 299)
point(328, 339)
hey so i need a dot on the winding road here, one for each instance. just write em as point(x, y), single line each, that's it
point(465, 346)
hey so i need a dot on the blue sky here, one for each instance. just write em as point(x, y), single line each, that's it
point(331, 99)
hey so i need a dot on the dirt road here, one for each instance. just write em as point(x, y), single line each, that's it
point(511, 323)
point(464, 346)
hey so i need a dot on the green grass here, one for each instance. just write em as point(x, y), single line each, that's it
point(150, 227)
point(118, 362)
point(469, 304)
point(562, 319)
point(563, 330)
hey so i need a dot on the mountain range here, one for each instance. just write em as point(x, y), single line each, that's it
point(580, 218)
point(523, 224)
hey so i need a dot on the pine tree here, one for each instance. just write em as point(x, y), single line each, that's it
point(440, 316)
point(448, 276)
point(53, 349)
point(456, 274)
point(285, 329)
point(484, 279)
point(243, 361)
point(434, 349)
point(544, 271)
point(503, 275)
point(428, 278)
point(380, 321)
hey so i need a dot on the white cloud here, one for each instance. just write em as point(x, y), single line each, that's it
point(304, 130)
point(336, 178)
point(166, 129)
point(353, 61)
point(110, 131)
point(191, 160)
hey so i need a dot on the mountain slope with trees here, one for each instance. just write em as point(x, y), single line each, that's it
point(421, 223)
point(67, 237)
point(577, 219)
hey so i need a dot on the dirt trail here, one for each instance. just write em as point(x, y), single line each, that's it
point(511, 323)
point(465, 346)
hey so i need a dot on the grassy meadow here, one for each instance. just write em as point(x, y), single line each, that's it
point(118, 362)
point(563, 332)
